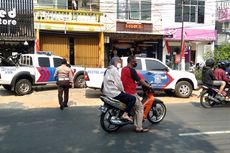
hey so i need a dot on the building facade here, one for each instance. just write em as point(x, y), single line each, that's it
point(132, 27)
point(89, 33)
point(223, 22)
point(71, 30)
point(199, 34)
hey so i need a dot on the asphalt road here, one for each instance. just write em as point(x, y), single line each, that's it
point(187, 128)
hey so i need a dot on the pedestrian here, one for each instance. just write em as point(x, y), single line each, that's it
point(130, 79)
point(74, 4)
point(64, 77)
point(114, 53)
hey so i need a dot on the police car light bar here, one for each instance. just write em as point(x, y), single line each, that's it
point(44, 53)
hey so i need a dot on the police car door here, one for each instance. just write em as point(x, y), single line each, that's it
point(45, 70)
point(156, 73)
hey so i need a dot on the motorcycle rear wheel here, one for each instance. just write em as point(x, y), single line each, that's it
point(105, 120)
point(205, 101)
point(157, 112)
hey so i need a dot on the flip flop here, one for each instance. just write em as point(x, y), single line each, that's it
point(142, 130)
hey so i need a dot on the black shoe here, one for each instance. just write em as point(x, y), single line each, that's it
point(65, 105)
point(61, 107)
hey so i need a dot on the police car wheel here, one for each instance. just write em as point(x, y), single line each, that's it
point(80, 82)
point(183, 89)
point(23, 87)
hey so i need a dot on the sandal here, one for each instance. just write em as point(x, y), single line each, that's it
point(142, 130)
point(126, 118)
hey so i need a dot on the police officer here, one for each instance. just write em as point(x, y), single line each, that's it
point(64, 77)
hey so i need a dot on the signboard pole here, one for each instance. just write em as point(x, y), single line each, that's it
point(182, 39)
point(37, 42)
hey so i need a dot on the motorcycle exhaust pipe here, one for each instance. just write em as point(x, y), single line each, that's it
point(118, 122)
point(214, 99)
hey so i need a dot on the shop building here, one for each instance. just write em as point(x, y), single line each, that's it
point(73, 31)
point(198, 26)
point(132, 27)
point(16, 27)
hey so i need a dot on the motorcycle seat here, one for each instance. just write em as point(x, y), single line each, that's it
point(106, 98)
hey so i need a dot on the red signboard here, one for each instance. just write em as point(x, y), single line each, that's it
point(177, 58)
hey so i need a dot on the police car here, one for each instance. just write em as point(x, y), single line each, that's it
point(159, 75)
point(35, 69)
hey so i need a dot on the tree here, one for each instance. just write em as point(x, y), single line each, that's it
point(222, 53)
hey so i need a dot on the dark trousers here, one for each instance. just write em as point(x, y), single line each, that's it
point(228, 86)
point(128, 99)
point(61, 90)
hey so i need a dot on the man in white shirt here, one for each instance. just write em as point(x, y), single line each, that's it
point(112, 86)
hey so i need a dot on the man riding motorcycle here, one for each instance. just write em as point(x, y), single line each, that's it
point(220, 74)
point(208, 78)
point(130, 78)
point(113, 87)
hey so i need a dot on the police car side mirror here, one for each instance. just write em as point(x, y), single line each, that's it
point(166, 69)
point(68, 65)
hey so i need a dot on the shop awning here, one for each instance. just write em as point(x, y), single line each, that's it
point(191, 34)
point(131, 36)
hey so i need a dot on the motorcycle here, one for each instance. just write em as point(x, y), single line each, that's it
point(208, 97)
point(11, 60)
point(112, 110)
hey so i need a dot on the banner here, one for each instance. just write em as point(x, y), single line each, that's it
point(167, 46)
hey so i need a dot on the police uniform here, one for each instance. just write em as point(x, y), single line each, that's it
point(64, 80)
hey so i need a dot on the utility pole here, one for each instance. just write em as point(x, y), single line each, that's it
point(182, 38)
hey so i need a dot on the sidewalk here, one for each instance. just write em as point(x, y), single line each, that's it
point(43, 97)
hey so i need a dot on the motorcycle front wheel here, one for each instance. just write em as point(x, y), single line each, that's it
point(157, 112)
point(205, 100)
point(105, 120)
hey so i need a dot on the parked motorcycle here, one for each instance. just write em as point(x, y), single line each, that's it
point(208, 97)
point(112, 110)
point(10, 61)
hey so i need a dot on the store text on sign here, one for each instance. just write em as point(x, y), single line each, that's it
point(134, 26)
point(4, 20)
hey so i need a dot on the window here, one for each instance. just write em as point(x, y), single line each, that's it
point(26, 60)
point(44, 62)
point(193, 11)
point(134, 9)
point(57, 62)
point(139, 65)
point(49, 3)
point(153, 65)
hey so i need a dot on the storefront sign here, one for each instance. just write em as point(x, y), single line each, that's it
point(8, 18)
point(134, 26)
point(16, 20)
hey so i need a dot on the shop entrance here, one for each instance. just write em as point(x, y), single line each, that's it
point(123, 48)
point(9, 48)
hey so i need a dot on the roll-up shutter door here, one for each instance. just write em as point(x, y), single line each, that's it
point(86, 51)
point(58, 45)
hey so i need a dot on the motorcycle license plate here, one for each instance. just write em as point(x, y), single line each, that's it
point(102, 109)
